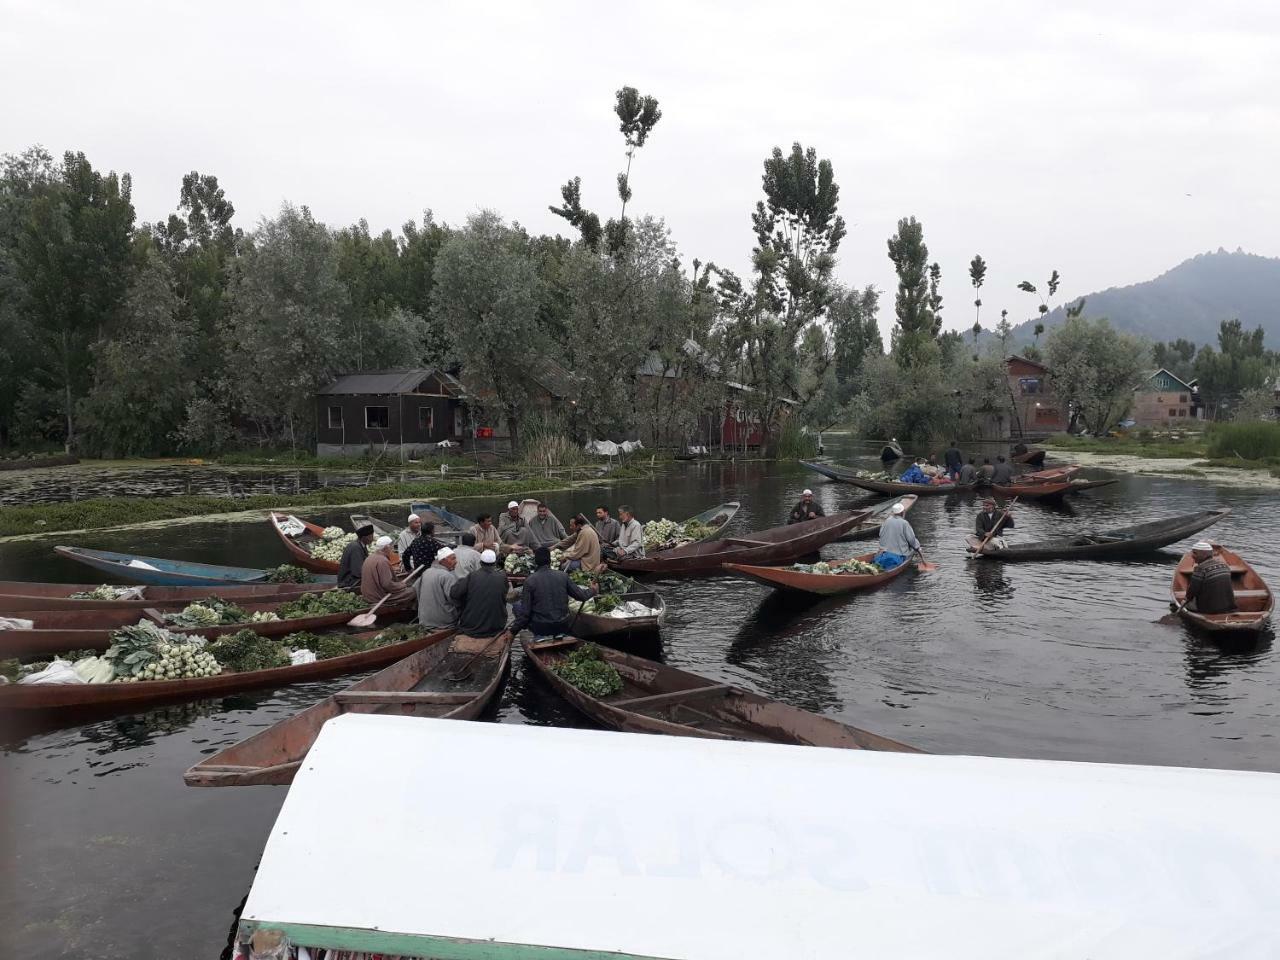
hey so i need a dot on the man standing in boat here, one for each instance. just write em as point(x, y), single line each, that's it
point(354, 555)
point(1209, 588)
point(806, 509)
point(543, 606)
point(954, 460)
point(897, 539)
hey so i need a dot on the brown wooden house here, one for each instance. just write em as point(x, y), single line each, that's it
point(1037, 409)
point(406, 412)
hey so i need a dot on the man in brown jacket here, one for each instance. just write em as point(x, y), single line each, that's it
point(582, 547)
point(377, 579)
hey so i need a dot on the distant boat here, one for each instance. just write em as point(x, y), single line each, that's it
point(158, 571)
point(846, 475)
point(822, 584)
point(1104, 544)
point(298, 544)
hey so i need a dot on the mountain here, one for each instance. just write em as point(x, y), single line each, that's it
point(1189, 301)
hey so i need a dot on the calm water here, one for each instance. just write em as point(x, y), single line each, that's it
point(112, 857)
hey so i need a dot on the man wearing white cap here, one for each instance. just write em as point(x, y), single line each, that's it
point(806, 509)
point(897, 540)
point(511, 527)
point(1209, 589)
point(377, 579)
point(435, 592)
point(481, 599)
point(409, 534)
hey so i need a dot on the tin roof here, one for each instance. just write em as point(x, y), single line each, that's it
point(387, 382)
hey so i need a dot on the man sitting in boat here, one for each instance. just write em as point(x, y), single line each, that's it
point(481, 599)
point(630, 544)
point(377, 579)
point(545, 529)
point(993, 522)
point(987, 469)
point(543, 606)
point(485, 532)
point(606, 528)
point(1209, 588)
point(968, 473)
point(423, 549)
point(582, 547)
point(1002, 473)
point(351, 566)
point(466, 555)
point(409, 534)
point(436, 606)
point(897, 540)
point(915, 473)
point(806, 509)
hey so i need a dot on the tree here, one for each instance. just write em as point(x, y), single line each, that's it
point(1176, 356)
point(935, 297)
point(1095, 370)
point(977, 275)
point(1240, 363)
point(916, 325)
point(487, 294)
point(1004, 332)
point(1028, 287)
point(855, 335)
point(1256, 403)
point(1039, 329)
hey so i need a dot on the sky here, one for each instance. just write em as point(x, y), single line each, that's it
point(1107, 140)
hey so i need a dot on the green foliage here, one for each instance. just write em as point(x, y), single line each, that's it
point(288, 573)
point(321, 604)
point(1248, 441)
point(917, 322)
point(1095, 370)
point(586, 669)
point(245, 650)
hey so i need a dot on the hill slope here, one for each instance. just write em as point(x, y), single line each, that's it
point(1190, 300)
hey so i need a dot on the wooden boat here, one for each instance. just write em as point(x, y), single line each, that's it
point(1048, 476)
point(823, 584)
point(1254, 601)
point(601, 625)
point(380, 528)
point(448, 524)
point(1079, 486)
point(887, 487)
point(656, 698)
point(449, 681)
point(1121, 542)
point(22, 595)
point(776, 545)
point(1033, 457)
point(878, 514)
point(890, 452)
point(298, 543)
point(56, 631)
point(717, 519)
point(1032, 491)
point(157, 571)
point(72, 697)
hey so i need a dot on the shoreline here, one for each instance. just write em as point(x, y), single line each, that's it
point(1193, 467)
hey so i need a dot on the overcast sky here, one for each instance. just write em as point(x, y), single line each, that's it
point(1109, 140)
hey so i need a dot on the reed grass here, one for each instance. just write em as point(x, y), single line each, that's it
point(1244, 441)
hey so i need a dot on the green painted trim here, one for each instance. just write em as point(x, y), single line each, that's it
point(417, 945)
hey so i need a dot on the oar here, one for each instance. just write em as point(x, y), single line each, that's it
point(465, 671)
point(363, 620)
point(994, 527)
point(923, 566)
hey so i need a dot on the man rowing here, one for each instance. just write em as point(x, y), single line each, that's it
point(354, 554)
point(543, 606)
point(806, 509)
point(990, 523)
point(897, 539)
point(1209, 588)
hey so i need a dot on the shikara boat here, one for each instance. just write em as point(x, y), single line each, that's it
point(716, 519)
point(72, 697)
point(1254, 601)
point(1048, 476)
point(1033, 457)
point(448, 524)
point(451, 680)
point(601, 625)
point(22, 595)
point(888, 487)
point(776, 545)
point(56, 631)
point(823, 584)
point(1079, 486)
point(157, 571)
point(656, 698)
point(1121, 542)
point(878, 514)
point(1053, 490)
point(380, 528)
point(298, 543)
point(890, 452)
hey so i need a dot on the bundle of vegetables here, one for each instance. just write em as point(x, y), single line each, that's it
point(321, 604)
point(852, 565)
point(664, 534)
point(245, 651)
point(104, 592)
point(148, 652)
point(609, 581)
point(264, 616)
point(327, 646)
point(94, 669)
point(697, 530)
point(874, 475)
point(209, 612)
point(331, 547)
point(399, 633)
point(587, 670)
point(557, 558)
point(288, 573)
point(518, 565)
point(603, 603)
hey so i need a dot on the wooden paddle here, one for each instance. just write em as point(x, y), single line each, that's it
point(923, 566)
point(465, 671)
point(368, 619)
point(994, 528)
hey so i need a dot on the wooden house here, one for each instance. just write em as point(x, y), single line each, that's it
point(1166, 400)
point(1037, 409)
point(407, 413)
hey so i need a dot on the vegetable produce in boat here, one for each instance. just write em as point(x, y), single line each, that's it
point(321, 604)
point(585, 669)
point(288, 573)
point(331, 544)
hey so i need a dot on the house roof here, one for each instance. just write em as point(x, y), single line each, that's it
point(653, 365)
point(1026, 360)
point(1171, 375)
point(387, 382)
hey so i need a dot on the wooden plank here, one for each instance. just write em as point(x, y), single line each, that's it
point(555, 644)
point(676, 696)
point(393, 696)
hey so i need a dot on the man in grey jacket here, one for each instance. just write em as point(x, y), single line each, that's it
point(607, 528)
point(436, 607)
point(631, 536)
point(546, 530)
point(467, 556)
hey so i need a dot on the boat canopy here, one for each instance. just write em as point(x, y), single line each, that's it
point(498, 840)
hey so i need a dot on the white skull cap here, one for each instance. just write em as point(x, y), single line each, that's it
point(444, 553)
point(513, 504)
point(898, 508)
point(488, 556)
point(382, 543)
point(1202, 546)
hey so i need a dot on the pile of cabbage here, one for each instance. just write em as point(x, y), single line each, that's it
point(521, 565)
point(852, 565)
point(331, 544)
point(106, 592)
point(874, 475)
point(664, 534)
point(149, 652)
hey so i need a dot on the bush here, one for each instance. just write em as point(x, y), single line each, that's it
point(1250, 441)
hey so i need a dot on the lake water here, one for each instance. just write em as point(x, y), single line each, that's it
point(110, 856)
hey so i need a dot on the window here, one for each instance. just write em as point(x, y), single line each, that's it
point(426, 419)
point(1182, 411)
point(1184, 399)
point(335, 418)
point(377, 418)
point(1029, 384)
point(1173, 412)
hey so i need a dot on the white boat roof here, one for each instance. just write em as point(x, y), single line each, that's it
point(494, 840)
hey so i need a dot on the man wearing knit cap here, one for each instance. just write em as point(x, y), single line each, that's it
point(436, 607)
point(1209, 589)
point(481, 599)
point(351, 566)
point(409, 534)
point(806, 509)
point(377, 580)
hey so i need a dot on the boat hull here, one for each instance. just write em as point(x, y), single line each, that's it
point(1135, 540)
point(297, 546)
point(821, 584)
point(595, 626)
point(57, 596)
point(1254, 599)
point(880, 512)
point(1032, 491)
point(165, 573)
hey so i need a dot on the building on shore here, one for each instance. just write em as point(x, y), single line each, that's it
point(403, 413)
point(1036, 406)
point(1166, 400)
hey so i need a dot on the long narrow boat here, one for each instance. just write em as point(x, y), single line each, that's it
point(656, 698)
point(878, 514)
point(449, 681)
point(157, 571)
point(1079, 486)
point(776, 545)
point(823, 584)
point(448, 523)
point(380, 528)
point(56, 631)
point(1033, 457)
point(887, 487)
point(596, 625)
point(1254, 600)
point(23, 595)
point(1105, 544)
point(1032, 491)
point(715, 521)
point(1048, 476)
point(71, 697)
point(298, 544)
